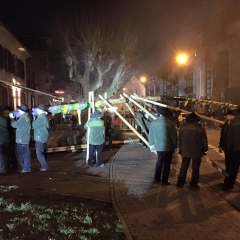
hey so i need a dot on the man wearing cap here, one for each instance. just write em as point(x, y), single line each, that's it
point(193, 145)
point(163, 139)
point(40, 125)
point(95, 130)
point(230, 114)
point(23, 127)
point(233, 149)
point(4, 143)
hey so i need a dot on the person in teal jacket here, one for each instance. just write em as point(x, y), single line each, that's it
point(95, 131)
point(163, 139)
point(41, 126)
point(23, 127)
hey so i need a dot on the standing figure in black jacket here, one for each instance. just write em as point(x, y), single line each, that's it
point(223, 138)
point(233, 149)
point(193, 145)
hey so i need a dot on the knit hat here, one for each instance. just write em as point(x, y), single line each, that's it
point(42, 107)
point(164, 111)
point(193, 118)
point(96, 114)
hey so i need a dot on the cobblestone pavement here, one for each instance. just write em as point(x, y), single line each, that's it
point(158, 212)
point(148, 211)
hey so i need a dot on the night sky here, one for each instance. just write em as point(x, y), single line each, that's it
point(168, 25)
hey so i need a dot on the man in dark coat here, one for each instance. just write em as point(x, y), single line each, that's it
point(223, 137)
point(233, 149)
point(193, 145)
point(108, 129)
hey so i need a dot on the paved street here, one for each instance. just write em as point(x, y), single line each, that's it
point(147, 211)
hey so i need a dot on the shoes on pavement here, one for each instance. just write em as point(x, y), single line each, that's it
point(166, 183)
point(102, 165)
point(24, 171)
point(157, 181)
point(194, 187)
point(180, 185)
point(43, 170)
point(90, 165)
point(226, 189)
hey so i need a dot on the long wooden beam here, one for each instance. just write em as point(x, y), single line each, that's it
point(178, 109)
point(126, 122)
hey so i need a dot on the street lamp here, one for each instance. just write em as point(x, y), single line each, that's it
point(182, 58)
point(143, 79)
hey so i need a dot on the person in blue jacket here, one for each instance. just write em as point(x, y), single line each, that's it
point(95, 131)
point(23, 127)
point(41, 126)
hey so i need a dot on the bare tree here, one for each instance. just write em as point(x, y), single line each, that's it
point(101, 48)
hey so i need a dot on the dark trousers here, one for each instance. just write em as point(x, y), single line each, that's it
point(227, 162)
point(4, 158)
point(41, 154)
point(145, 136)
point(93, 149)
point(164, 161)
point(139, 129)
point(233, 167)
point(196, 162)
point(23, 156)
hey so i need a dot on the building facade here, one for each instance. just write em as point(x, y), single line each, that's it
point(13, 70)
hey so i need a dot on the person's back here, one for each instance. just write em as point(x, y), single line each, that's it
point(192, 146)
point(163, 134)
point(192, 140)
point(96, 127)
point(233, 136)
point(163, 139)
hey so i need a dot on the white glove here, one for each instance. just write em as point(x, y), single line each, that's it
point(152, 148)
point(11, 115)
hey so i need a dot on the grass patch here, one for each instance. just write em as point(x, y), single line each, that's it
point(27, 214)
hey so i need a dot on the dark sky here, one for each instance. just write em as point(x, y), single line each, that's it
point(168, 25)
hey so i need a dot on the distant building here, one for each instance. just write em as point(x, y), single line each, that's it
point(39, 64)
point(13, 68)
point(212, 71)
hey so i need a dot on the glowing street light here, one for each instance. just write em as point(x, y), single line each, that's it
point(143, 79)
point(182, 58)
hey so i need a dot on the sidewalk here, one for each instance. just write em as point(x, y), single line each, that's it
point(165, 212)
point(148, 211)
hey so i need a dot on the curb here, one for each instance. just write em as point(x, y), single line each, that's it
point(221, 170)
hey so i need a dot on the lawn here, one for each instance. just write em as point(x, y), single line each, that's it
point(32, 215)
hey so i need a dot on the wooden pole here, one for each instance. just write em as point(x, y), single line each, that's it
point(141, 107)
point(126, 122)
point(88, 129)
point(134, 115)
point(178, 109)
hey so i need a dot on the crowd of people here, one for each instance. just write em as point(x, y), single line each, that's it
point(157, 128)
point(15, 134)
point(191, 142)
